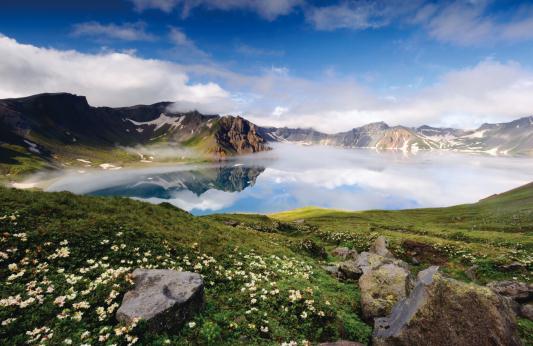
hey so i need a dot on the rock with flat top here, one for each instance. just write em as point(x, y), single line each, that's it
point(164, 298)
point(441, 311)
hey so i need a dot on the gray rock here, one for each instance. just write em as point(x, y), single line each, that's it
point(350, 270)
point(381, 288)
point(441, 311)
point(518, 291)
point(526, 311)
point(344, 253)
point(379, 247)
point(333, 270)
point(164, 298)
point(369, 261)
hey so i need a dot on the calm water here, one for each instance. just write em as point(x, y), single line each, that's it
point(294, 176)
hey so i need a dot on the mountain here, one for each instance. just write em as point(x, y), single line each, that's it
point(513, 138)
point(166, 185)
point(53, 127)
point(61, 128)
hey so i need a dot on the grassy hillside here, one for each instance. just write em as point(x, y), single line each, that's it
point(65, 260)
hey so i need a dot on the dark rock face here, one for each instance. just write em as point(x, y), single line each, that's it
point(441, 311)
point(237, 135)
point(164, 298)
point(70, 120)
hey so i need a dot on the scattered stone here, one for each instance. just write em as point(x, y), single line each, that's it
point(164, 298)
point(231, 223)
point(345, 253)
point(381, 288)
point(422, 252)
point(341, 343)
point(526, 311)
point(471, 272)
point(369, 261)
point(521, 292)
point(350, 270)
point(333, 270)
point(379, 247)
point(514, 266)
point(442, 311)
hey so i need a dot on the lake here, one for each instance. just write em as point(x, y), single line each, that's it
point(293, 176)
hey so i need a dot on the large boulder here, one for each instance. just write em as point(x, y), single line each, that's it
point(164, 298)
point(344, 253)
point(381, 288)
point(442, 311)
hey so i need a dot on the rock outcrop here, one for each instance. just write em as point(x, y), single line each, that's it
point(518, 291)
point(442, 311)
point(520, 295)
point(238, 135)
point(164, 298)
point(381, 288)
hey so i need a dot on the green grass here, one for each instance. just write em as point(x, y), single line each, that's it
point(250, 275)
point(264, 283)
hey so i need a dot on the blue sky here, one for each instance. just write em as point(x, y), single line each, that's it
point(332, 65)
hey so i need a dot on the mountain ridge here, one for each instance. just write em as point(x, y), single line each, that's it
point(56, 128)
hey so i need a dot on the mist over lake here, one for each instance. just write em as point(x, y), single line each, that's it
point(293, 176)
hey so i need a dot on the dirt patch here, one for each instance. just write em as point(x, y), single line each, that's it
point(422, 252)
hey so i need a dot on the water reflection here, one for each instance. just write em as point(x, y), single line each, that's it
point(294, 176)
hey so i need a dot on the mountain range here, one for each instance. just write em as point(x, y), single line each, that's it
point(53, 126)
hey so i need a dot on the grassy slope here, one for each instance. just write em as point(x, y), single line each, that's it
point(231, 259)
point(241, 256)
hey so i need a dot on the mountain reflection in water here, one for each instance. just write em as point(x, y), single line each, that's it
point(165, 185)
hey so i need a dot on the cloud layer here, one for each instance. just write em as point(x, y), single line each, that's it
point(126, 31)
point(489, 91)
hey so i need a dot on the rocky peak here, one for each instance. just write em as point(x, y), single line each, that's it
point(238, 135)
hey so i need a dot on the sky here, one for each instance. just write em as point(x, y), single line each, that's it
point(330, 65)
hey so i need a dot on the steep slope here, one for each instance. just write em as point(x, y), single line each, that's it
point(59, 127)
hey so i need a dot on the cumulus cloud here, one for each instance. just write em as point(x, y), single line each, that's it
point(126, 31)
point(110, 79)
point(181, 41)
point(269, 10)
point(490, 91)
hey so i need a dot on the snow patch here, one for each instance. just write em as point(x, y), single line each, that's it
point(161, 121)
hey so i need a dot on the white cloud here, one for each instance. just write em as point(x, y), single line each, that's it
point(489, 91)
point(126, 31)
point(110, 79)
point(269, 10)
point(180, 40)
point(458, 22)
